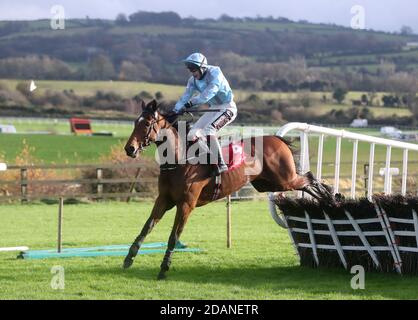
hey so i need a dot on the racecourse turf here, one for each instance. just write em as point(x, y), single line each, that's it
point(260, 265)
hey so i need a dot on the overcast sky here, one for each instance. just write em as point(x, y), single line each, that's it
point(386, 15)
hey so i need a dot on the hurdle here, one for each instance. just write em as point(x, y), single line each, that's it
point(378, 232)
point(381, 235)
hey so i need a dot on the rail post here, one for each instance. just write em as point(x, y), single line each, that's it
point(228, 222)
point(131, 189)
point(99, 174)
point(60, 220)
point(23, 184)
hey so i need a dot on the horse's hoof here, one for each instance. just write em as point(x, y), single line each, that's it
point(161, 276)
point(127, 262)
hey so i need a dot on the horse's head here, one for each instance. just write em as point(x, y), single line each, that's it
point(146, 129)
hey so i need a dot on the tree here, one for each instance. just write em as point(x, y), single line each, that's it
point(372, 95)
point(159, 18)
point(121, 19)
point(101, 67)
point(226, 18)
point(391, 101)
point(159, 95)
point(413, 106)
point(406, 30)
point(134, 71)
point(339, 94)
point(364, 99)
point(386, 68)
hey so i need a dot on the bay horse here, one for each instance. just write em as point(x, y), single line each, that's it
point(187, 186)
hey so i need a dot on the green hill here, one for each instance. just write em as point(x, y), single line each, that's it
point(270, 54)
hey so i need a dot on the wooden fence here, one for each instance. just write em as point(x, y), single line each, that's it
point(19, 189)
point(21, 185)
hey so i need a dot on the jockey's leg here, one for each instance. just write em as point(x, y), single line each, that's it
point(216, 156)
point(211, 122)
point(219, 121)
point(207, 127)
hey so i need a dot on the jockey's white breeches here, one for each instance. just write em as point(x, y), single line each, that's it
point(211, 122)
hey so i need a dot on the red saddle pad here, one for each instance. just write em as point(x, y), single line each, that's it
point(233, 154)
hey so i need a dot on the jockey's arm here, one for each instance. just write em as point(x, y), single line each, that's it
point(207, 94)
point(190, 88)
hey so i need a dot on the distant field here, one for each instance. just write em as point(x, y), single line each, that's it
point(377, 111)
point(172, 92)
point(60, 126)
point(359, 60)
point(86, 88)
point(57, 148)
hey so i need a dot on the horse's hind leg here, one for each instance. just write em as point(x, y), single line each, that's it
point(161, 205)
point(317, 189)
point(307, 183)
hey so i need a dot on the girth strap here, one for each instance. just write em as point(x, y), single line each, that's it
point(217, 189)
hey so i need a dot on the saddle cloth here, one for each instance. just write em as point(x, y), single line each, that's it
point(233, 154)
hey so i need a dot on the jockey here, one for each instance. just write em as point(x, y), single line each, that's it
point(213, 89)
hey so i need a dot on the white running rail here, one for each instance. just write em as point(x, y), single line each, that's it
point(304, 129)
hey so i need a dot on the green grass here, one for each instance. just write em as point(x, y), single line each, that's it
point(260, 265)
point(28, 126)
point(58, 149)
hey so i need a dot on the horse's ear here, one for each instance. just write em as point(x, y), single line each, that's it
point(142, 105)
point(153, 105)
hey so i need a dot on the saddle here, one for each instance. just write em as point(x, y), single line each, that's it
point(233, 154)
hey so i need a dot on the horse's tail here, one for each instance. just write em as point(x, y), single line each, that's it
point(288, 142)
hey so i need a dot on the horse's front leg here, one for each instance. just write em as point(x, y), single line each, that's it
point(182, 214)
point(161, 205)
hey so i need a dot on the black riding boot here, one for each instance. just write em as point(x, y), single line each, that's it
point(215, 149)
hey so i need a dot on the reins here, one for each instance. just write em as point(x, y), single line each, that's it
point(155, 121)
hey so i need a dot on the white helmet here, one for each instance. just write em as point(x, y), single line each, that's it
point(196, 61)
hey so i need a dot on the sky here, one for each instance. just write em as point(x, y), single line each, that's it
point(384, 15)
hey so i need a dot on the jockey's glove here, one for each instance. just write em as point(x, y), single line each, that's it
point(188, 105)
point(172, 116)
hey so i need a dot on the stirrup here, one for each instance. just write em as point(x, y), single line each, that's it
point(219, 169)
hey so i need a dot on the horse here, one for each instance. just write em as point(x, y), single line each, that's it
point(188, 186)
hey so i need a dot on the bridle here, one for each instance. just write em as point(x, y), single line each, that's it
point(151, 128)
